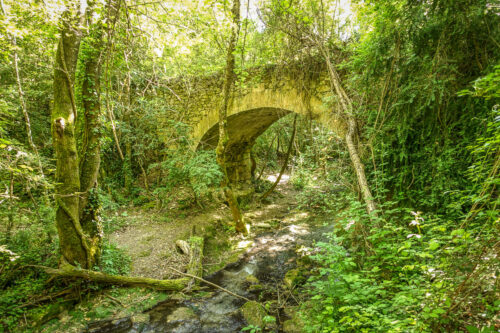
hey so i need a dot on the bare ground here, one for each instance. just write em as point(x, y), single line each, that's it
point(149, 237)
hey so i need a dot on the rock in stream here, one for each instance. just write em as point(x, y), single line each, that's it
point(266, 263)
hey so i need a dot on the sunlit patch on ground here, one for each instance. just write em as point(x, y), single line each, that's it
point(299, 229)
point(284, 179)
point(299, 216)
point(244, 244)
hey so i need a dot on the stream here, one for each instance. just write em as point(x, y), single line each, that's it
point(257, 275)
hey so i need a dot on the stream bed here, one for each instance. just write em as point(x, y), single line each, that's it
point(257, 275)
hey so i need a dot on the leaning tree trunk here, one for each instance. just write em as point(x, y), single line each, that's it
point(285, 163)
point(223, 134)
point(350, 139)
point(75, 246)
point(351, 135)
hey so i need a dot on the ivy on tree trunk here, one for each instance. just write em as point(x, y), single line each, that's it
point(76, 247)
point(77, 221)
point(223, 133)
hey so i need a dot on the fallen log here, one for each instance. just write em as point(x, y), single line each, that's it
point(69, 271)
point(194, 268)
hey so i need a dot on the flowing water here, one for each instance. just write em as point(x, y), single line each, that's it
point(270, 257)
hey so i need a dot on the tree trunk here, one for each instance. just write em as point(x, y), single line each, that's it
point(127, 165)
point(144, 175)
point(90, 158)
point(74, 244)
point(358, 165)
point(27, 122)
point(223, 134)
point(10, 217)
point(69, 271)
point(351, 135)
point(285, 163)
point(109, 109)
point(195, 266)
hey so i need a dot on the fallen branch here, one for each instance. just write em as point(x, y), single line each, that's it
point(194, 268)
point(50, 297)
point(210, 283)
point(69, 271)
point(116, 300)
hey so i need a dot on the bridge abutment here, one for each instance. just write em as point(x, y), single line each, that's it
point(239, 166)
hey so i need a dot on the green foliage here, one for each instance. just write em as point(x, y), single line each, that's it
point(424, 80)
point(114, 260)
point(267, 321)
point(412, 59)
point(486, 87)
point(20, 282)
point(392, 274)
point(434, 146)
point(397, 273)
point(300, 179)
point(182, 167)
point(251, 329)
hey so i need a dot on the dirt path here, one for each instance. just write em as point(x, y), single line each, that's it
point(266, 270)
point(269, 251)
point(149, 237)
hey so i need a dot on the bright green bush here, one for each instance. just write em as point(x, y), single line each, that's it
point(114, 260)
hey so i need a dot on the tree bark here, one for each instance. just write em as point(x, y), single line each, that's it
point(223, 134)
point(90, 159)
point(351, 135)
point(127, 164)
point(10, 215)
point(358, 165)
point(195, 266)
point(27, 121)
point(74, 244)
point(69, 271)
point(108, 105)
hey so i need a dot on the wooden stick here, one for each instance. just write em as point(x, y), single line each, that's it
point(116, 300)
point(211, 284)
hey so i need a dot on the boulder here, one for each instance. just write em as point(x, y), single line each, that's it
point(295, 323)
point(181, 314)
point(253, 313)
point(183, 246)
point(292, 277)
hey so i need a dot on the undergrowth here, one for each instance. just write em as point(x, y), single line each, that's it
point(410, 271)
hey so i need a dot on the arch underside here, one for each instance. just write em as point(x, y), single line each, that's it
point(243, 129)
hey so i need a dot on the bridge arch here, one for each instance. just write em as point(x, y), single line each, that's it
point(250, 114)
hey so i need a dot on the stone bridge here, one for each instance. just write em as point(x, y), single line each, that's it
point(266, 95)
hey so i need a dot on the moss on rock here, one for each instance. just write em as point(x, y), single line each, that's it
point(292, 277)
point(253, 313)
